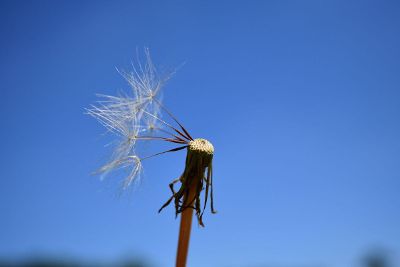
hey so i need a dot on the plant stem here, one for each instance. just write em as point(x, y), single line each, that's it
point(184, 230)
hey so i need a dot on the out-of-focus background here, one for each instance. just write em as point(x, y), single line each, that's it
point(301, 100)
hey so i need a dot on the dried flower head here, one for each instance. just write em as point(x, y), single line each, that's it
point(136, 117)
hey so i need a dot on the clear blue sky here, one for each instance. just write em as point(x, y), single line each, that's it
point(301, 100)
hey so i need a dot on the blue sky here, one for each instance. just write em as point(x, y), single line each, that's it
point(301, 100)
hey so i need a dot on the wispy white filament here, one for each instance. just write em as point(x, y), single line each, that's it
point(131, 114)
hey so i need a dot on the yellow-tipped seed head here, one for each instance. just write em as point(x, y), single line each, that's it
point(201, 146)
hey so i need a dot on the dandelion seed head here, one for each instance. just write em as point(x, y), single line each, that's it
point(202, 146)
point(135, 117)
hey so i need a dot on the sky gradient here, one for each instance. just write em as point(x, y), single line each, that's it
point(301, 100)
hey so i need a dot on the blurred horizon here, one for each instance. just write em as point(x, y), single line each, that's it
point(372, 258)
point(301, 100)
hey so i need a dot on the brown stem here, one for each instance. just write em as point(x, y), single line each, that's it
point(185, 228)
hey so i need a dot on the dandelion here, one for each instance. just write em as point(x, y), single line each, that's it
point(137, 117)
